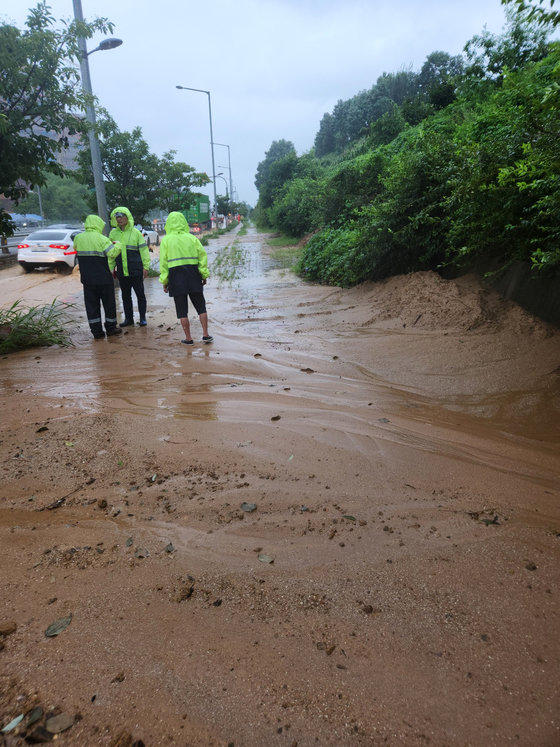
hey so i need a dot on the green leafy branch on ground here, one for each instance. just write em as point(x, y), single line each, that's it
point(36, 326)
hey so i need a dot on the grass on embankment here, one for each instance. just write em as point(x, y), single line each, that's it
point(286, 251)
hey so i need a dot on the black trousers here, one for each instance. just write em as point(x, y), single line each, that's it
point(94, 297)
point(127, 284)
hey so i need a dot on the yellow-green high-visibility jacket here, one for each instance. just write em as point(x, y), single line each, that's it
point(135, 255)
point(94, 251)
point(183, 262)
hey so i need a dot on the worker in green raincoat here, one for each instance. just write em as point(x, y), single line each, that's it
point(131, 265)
point(183, 266)
point(93, 251)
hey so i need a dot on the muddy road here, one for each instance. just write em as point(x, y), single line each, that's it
point(338, 524)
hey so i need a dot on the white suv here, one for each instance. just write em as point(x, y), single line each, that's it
point(49, 247)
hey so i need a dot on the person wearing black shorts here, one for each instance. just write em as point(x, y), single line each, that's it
point(183, 265)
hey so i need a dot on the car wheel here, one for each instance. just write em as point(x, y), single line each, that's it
point(63, 269)
point(25, 267)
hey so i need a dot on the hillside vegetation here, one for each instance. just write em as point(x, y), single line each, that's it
point(455, 166)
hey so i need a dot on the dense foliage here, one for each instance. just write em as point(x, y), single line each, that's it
point(458, 165)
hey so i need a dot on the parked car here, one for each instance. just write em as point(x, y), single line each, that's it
point(49, 247)
point(151, 236)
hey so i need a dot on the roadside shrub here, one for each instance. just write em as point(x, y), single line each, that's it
point(298, 210)
point(334, 257)
point(506, 203)
point(352, 184)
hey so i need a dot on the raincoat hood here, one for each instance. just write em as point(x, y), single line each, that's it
point(176, 223)
point(94, 223)
point(128, 214)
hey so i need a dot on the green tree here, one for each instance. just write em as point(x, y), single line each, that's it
point(491, 56)
point(63, 199)
point(277, 168)
point(535, 11)
point(278, 150)
point(175, 182)
point(224, 205)
point(135, 177)
point(40, 93)
point(130, 171)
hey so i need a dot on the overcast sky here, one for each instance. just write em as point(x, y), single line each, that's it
point(273, 67)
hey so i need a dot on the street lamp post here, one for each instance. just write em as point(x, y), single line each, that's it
point(96, 163)
point(225, 182)
point(223, 145)
point(201, 90)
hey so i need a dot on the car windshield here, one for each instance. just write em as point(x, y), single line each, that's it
point(47, 236)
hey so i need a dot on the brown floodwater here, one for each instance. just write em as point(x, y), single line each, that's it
point(332, 526)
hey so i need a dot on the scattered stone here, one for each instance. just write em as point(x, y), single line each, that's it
point(248, 507)
point(57, 504)
point(60, 723)
point(58, 626)
point(34, 715)
point(39, 735)
point(531, 567)
point(266, 559)
point(7, 628)
point(13, 723)
point(169, 548)
point(118, 677)
point(101, 503)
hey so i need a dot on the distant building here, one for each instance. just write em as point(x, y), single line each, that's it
point(68, 156)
